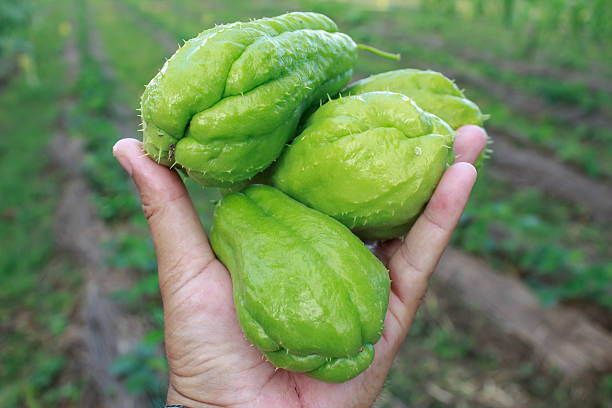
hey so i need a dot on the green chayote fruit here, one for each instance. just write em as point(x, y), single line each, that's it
point(432, 92)
point(223, 107)
point(371, 161)
point(307, 292)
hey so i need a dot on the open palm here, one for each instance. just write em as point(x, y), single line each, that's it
point(210, 361)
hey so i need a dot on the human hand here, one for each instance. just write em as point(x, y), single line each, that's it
point(210, 361)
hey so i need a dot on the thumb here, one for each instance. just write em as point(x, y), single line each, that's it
point(181, 244)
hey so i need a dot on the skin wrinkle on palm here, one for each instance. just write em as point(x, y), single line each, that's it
point(207, 353)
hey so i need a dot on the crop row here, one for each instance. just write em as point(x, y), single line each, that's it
point(38, 294)
point(95, 121)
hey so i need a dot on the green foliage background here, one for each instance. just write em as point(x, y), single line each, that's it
point(556, 53)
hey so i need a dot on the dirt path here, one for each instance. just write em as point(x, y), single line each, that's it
point(104, 330)
point(131, 328)
point(594, 81)
point(79, 232)
point(563, 338)
point(8, 71)
point(527, 168)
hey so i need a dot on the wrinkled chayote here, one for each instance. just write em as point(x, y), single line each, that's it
point(307, 292)
point(371, 161)
point(432, 92)
point(223, 107)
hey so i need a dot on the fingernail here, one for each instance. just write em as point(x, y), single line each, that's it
point(124, 161)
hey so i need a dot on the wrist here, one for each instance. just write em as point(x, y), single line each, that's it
point(175, 398)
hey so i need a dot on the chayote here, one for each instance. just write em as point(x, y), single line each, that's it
point(371, 161)
point(432, 92)
point(224, 105)
point(307, 292)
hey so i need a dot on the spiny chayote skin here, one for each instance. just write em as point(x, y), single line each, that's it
point(370, 161)
point(307, 292)
point(432, 92)
point(223, 107)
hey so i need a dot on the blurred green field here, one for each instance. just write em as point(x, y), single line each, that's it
point(540, 69)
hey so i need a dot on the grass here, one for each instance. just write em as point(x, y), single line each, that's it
point(130, 246)
point(559, 254)
point(38, 292)
point(136, 61)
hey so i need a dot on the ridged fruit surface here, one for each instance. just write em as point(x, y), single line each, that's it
point(308, 293)
point(372, 161)
point(223, 107)
point(432, 92)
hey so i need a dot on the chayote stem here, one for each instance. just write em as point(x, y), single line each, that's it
point(378, 52)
